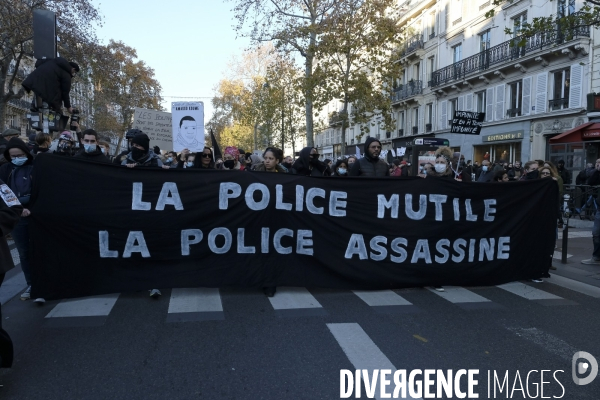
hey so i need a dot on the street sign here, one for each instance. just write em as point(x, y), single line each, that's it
point(431, 142)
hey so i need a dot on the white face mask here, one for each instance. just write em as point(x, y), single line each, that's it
point(342, 171)
point(440, 168)
point(484, 168)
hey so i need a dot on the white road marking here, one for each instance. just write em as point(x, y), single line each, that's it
point(376, 298)
point(575, 285)
point(455, 294)
point(528, 292)
point(94, 306)
point(549, 342)
point(188, 300)
point(289, 298)
point(558, 255)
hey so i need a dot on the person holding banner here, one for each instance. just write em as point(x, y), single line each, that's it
point(341, 168)
point(370, 165)
point(206, 159)
point(141, 154)
point(231, 159)
point(10, 214)
point(308, 163)
point(443, 163)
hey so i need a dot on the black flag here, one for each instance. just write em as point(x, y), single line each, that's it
point(216, 148)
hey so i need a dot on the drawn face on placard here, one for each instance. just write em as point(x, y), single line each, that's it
point(187, 129)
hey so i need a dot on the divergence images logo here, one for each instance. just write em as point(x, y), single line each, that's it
point(580, 367)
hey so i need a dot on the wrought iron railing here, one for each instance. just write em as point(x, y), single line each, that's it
point(513, 112)
point(412, 44)
point(507, 51)
point(412, 88)
point(558, 104)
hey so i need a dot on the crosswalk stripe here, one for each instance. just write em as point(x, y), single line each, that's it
point(195, 304)
point(84, 311)
point(465, 298)
point(575, 285)
point(547, 341)
point(536, 295)
point(362, 352)
point(376, 298)
point(295, 301)
point(558, 255)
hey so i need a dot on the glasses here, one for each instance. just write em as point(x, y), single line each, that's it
point(206, 155)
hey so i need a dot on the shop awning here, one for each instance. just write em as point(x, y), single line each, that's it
point(587, 131)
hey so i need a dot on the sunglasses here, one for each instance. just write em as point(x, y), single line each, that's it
point(206, 155)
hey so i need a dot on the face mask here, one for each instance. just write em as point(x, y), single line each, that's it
point(103, 150)
point(19, 161)
point(89, 148)
point(229, 164)
point(137, 154)
point(440, 168)
point(342, 171)
point(170, 159)
point(287, 165)
point(314, 156)
point(189, 164)
point(484, 168)
point(64, 147)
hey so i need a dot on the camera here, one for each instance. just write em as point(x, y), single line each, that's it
point(74, 118)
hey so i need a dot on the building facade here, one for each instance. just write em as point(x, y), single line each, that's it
point(457, 59)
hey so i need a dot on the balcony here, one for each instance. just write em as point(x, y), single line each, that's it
point(558, 104)
point(404, 92)
point(412, 44)
point(432, 35)
point(505, 52)
point(20, 103)
point(415, 130)
point(428, 128)
point(513, 112)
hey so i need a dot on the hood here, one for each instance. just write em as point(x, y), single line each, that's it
point(303, 160)
point(16, 143)
point(367, 144)
point(256, 160)
point(63, 64)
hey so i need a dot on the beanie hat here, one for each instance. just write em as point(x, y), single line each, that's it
point(16, 143)
point(142, 140)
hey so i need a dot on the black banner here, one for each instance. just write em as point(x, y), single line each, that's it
point(467, 122)
point(103, 229)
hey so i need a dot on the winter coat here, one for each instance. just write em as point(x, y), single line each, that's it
point(262, 168)
point(150, 160)
point(96, 156)
point(52, 81)
point(367, 166)
point(10, 213)
point(486, 176)
point(305, 165)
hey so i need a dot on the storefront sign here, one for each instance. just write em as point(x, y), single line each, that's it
point(504, 136)
point(431, 142)
point(591, 135)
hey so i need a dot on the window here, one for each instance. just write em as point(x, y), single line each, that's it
point(452, 106)
point(484, 40)
point(431, 25)
point(416, 71)
point(401, 124)
point(565, 8)
point(518, 23)
point(415, 128)
point(480, 102)
point(561, 81)
point(457, 53)
point(431, 63)
point(515, 93)
point(429, 117)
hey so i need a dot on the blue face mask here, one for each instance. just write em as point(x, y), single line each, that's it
point(103, 150)
point(189, 164)
point(19, 161)
point(89, 148)
point(170, 159)
point(484, 168)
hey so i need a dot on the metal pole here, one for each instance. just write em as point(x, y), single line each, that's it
point(565, 233)
point(282, 119)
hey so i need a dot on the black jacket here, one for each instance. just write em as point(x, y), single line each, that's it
point(52, 81)
point(565, 175)
point(9, 216)
point(96, 156)
point(369, 166)
point(305, 165)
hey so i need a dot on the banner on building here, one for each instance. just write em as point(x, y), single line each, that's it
point(188, 125)
point(155, 124)
point(467, 122)
point(133, 229)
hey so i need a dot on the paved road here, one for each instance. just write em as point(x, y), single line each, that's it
point(237, 344)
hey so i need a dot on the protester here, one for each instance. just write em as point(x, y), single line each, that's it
point(501, 176)
point(370, 165)
point(351, 161)
point(188, 161)
point(530, 171)
point(515, 172)
point(486, 173)
point(272, 157)
point(231, 159)
point(308, 163)
point(51, 80)
point(461, 173)
point(594, 180)
point(65, 144)
point(129, 137)
point(10, 213)
point(105, 149)
point(585, 174)
point(141, 155)
point(43, 143)
point(17, 174)
point(443, 162)
point(91, 151)
point(6, 136)
point(206, 159)
point(563, 172)
point(341, 168)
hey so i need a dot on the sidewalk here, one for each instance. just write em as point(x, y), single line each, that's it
point(579, 247)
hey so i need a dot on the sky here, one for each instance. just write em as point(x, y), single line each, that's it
point(188, 43)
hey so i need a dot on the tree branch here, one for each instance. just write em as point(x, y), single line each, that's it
point(287, 14)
